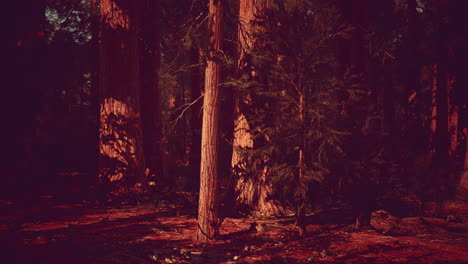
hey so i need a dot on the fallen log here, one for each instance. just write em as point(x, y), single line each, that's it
point(388, 224)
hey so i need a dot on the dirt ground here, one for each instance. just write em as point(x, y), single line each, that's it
point(84, 233)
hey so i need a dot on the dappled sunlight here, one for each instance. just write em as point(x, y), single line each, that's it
point(242, 139)
point(251, 187)
point(114, 15)
point(118, 143)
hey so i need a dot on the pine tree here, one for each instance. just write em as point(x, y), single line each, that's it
point(295, 113)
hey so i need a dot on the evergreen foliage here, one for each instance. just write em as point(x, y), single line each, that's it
point(294, 55)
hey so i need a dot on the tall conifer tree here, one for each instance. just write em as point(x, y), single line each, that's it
point(208, 225)
point(121, 159)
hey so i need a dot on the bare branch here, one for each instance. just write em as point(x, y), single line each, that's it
point(184, 108)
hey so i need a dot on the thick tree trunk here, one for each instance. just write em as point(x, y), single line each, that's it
point(208, 225)
point(121, 159)
point(252, 191)
point(245, 187)
point(453, 130)
point(452, 122)
point(23, 46)
point(150, 91)
point(356, 13)
point(389, 115)
point(242, 138)
point(462, 190)
point(442, 118)
point(412, 70)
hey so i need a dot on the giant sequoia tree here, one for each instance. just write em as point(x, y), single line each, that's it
point(121, 160)
point(252, 189)
point(151, 109)
point(295, 110)
point(208, 226)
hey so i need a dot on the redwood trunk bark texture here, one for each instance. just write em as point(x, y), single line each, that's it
point(208, 225)
point(121, 160)
point(252, 191)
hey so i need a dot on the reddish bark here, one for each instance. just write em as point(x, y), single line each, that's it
point(121, 160)
point(252, 191)
point(208, 225)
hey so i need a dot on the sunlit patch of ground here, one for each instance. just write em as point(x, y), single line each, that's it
point(146, 234)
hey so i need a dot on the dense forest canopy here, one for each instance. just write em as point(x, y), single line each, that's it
point(247, 108)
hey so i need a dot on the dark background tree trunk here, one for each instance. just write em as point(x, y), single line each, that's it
point(121, 160)
point(151, 111)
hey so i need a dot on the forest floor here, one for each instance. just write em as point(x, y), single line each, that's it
point(52, 232)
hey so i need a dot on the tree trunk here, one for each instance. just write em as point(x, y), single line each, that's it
point(356, 56)
point(462, 192)
point(246, 191)
point(354, 52)
point(389, 114)
point(242, 137)
point(453, 130)
point(252, 191)
point(442, 118)
point(121, 159)
point(208, 225)
point(23, 46)
point(452, 122)
point(150, 91)
point(412, 70)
